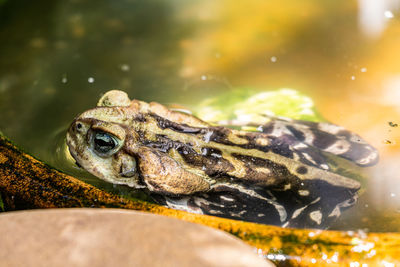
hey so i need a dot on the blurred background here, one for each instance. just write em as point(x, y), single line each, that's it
point(57, 57)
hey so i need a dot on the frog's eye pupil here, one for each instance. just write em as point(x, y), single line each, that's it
point(103, 142)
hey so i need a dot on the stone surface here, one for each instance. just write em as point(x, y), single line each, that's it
point(111, 237)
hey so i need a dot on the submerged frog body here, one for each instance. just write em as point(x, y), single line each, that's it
point(276, 176)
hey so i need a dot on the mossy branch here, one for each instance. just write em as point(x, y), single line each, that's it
point(27, 183)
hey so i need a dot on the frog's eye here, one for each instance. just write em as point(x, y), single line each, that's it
point(104, 144)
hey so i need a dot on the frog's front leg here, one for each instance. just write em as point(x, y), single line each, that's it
point(162, 174)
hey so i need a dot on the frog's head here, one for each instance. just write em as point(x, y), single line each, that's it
point(96, 140)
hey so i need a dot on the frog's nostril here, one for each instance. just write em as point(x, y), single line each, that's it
point(125, 172)
point(128, 167)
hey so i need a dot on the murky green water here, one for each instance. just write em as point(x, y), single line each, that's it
point(58, 57)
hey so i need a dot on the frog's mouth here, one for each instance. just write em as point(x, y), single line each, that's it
point(78, 165)
point(71, 144)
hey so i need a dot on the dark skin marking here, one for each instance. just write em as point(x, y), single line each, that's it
point(315, 155)
point(281, 145)
point(140, 118)
point(252, 142)
point(301, 170)
point(180, 128)
point(258, 162)
point(220, 135)
point(358, 152)
point(268, 128)
point(345, 134)
point(323, 140)
point(279, 173)
point(163, 143)
point(214, 166)
point(141, 135)
point(297, 133)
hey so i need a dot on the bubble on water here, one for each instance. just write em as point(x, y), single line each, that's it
point(270, 257)
point(64, 79)
point(91, 80)
point(387, 264)
point(363, 70)
point(361, 246)
point(335, 257)
point(203, 77)
point(280, 257)
point(388, 14)
point(353, 78)
point(392, 194)
point(125, 67)
point(274, 59)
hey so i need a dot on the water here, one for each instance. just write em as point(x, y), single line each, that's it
point(58, 57)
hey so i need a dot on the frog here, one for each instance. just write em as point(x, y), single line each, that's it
point(277, 175)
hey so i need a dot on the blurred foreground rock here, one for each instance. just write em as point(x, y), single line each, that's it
point(112, 237)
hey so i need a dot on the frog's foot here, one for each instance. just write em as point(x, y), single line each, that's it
point(164, 175)
point(326, 137)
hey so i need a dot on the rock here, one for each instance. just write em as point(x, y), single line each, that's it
point(112, 237)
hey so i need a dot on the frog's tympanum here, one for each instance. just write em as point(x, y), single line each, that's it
point(278, 175)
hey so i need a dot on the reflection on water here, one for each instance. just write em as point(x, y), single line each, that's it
point(374, 15)
point(57, 57)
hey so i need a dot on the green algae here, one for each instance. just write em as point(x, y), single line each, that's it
point(247, 105)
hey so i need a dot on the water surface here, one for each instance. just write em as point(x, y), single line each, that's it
point(58, 57)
